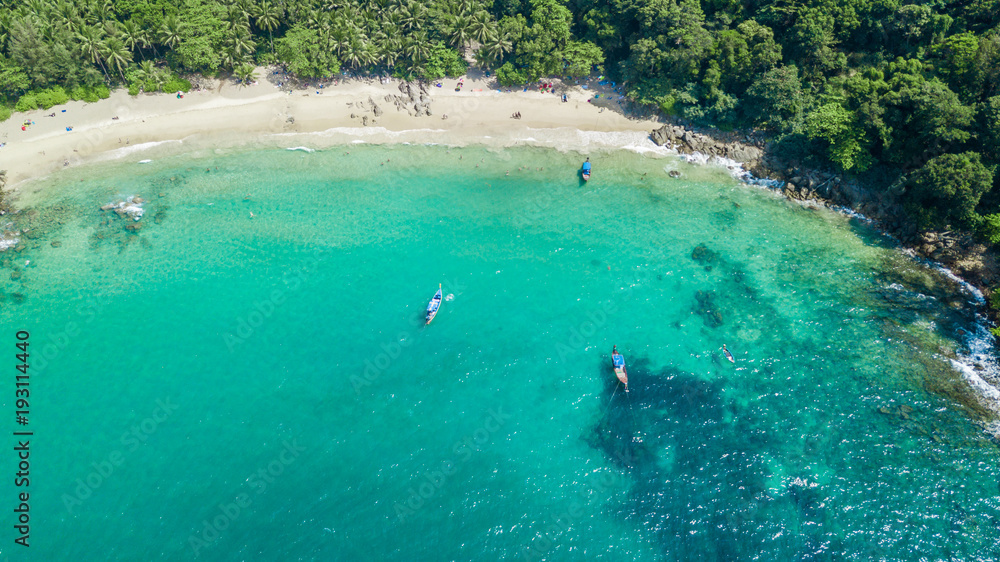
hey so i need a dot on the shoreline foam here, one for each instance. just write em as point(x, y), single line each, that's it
point(226, 114)
point(229, 116)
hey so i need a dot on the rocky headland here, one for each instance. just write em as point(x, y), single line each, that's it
point(960, 252)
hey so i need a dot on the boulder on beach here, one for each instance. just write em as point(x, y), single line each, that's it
point(685, 141)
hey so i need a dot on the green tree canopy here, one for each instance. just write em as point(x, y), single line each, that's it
point(946, 190)
point(775, 100)
point(306, 53)
point(836, 129)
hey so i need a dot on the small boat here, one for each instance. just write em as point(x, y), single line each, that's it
point(586, 170)
point(618, 362)
point(433, 306)
point(727, 354)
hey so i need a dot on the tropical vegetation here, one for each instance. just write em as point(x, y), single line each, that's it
point(904, 94)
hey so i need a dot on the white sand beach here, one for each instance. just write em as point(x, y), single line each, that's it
point(223, 113)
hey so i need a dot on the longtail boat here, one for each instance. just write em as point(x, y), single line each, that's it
point(727, 354)
point(433, 306)
point(618, 362)
point(586, 170)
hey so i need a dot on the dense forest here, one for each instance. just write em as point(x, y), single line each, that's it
point(905, 96)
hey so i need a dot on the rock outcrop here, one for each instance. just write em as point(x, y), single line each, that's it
point(130, 207)
point(413, 99)
point(959, 252)
point(689, 142)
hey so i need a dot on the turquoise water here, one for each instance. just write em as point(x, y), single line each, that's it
point(223, 387)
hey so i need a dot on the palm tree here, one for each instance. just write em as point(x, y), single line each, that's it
point(36, 7)
point(481, 27)
point(413, 16)
point(6, 19)
point(68, 15)
point(493, 50)
point(390, 53)
point(353, 52)
point(238, 46)
point(458, 29)
point(390, 46)
point(99, 12)
point(145, 71)
point(339, 40)
point(170, 31)
point(268, 16)
point(134, 35)
point(246, 73)
point(230, 58)
point(117, 55)
point(368, 55)
point(416, 68)
point(243, 9)
point(91, 46)
point(417, 47)
point(236, 19)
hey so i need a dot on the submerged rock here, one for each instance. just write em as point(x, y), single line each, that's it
point(702, 254)
point(707, 308)
point(130, 207)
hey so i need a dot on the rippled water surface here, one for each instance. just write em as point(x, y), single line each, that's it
point(263, 388)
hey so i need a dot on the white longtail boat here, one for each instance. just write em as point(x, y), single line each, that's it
point(433, 306)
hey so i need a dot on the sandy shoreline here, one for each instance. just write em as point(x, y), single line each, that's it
point(224, 115)
point(227, 114)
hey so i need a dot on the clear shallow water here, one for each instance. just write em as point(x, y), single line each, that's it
point(263, 388)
